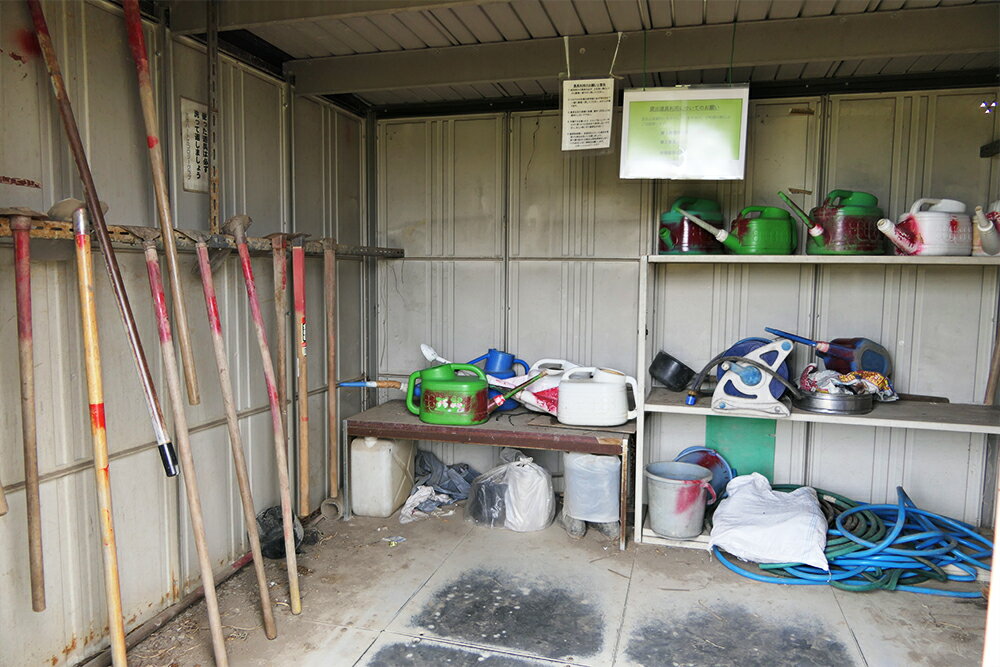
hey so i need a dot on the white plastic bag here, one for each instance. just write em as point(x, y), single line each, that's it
point(530, 500)
point(757, 524)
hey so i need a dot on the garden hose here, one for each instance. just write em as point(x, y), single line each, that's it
point(883, 547)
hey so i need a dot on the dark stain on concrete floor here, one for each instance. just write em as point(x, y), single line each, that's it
point(424, 653)
point(534, 615)
point(734, 636)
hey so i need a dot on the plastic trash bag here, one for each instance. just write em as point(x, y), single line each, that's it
point(272, 534)
point(759, 525)
point(517, 495)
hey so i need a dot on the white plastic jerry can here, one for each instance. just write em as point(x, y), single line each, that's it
point(381, 475)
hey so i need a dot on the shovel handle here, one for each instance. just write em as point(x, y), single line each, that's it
point(790, 336)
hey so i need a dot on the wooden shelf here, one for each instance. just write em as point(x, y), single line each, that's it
point(823, 259)
point(954, 417)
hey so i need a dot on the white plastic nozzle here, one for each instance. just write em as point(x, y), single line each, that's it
point(430, 354)
point(989, 237)
point(894, 234)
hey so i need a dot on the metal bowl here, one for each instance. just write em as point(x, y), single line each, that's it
point(836, 404)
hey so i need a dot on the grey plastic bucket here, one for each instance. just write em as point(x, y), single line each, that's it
point(677, 498)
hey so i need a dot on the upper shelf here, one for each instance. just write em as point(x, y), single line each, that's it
point(954, 417)
point(823, 259)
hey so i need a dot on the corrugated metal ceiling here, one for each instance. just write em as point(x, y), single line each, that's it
point(517, 20)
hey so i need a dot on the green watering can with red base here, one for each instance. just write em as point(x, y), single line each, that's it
point(447, 398)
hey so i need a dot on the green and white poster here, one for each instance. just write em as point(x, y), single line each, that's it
point(685, 133)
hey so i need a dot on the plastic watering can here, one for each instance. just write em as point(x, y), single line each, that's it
point(447, 398)
point(500, 364)
point(844, 224)
point(590, 396)
point(845, 355)
point(758, 230)
point(942, 229)
point(678, 233)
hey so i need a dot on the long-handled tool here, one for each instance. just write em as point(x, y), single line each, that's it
point(236, 226)
point(98, 434)
point(3, 501)
point(148, 236)
point(332, 420)
point(166, 448)
point(846, 354)
point(301, 375)
point(279, 264)
point(20, 227)
point(137, 43)
point(233, 424)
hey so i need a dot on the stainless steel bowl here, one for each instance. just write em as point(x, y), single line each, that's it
point(836, 404)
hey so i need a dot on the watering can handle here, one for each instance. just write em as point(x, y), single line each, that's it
point(683, 202)
point(630, 381)
point(752, 209)
point(411, 384)
point(582, 369)
point(837, 194)
point(790, 336)
point(469, 367)
point(524, 365)
point(917, 205)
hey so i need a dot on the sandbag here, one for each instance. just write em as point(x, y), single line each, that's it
point(755, 523)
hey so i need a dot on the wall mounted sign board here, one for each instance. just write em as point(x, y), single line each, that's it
point(587, 107)
point(194, 143)
point(686, 132)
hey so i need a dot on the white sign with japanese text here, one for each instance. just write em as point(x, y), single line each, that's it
point(194, 133)
point(587, 106)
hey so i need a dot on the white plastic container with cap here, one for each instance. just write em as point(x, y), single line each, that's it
point(381, 475)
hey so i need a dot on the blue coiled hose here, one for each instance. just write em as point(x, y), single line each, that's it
point(885, 547)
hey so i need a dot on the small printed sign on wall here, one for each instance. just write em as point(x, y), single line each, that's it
point(194, 131)
point(587, 106)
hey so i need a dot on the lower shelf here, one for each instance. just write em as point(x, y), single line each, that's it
point(700, 543)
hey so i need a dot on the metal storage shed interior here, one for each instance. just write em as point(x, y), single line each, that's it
point(433, 127)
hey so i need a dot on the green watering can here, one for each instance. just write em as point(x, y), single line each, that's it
point(449, 399)
point(757, 230)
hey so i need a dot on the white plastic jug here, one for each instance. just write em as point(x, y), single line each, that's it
point(595, 397)
point(547, 389)
point(381, 475)
point(942, 229)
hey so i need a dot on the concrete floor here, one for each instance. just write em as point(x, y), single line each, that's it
point(457, 594)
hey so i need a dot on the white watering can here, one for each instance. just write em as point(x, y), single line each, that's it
point(942, 229)
point(547, 389)
point(986, 225)
point(593, 396)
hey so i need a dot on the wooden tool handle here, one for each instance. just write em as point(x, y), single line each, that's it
point(332, 420)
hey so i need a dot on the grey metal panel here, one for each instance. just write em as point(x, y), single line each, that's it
point(660, 14)
point(457, 30)
point(571, 205)
point(441, 195)
point(478, 23)
point(688, 13)
point(782, 149)
point(753, 10)
point(564, 16)
point(785, 9)
point(594, 17)
point(376, 35)
point(400, 33)
point(957, 128)
point(506, 21)
point(536, 21)
point(863, 146)
point(428, 31)
point(818, 7)
point(575, 310)
point(721, 12)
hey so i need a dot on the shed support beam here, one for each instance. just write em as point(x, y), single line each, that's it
point(917, 32)
point(189, 17)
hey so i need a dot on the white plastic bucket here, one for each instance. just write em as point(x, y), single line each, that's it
point(677, 500)
point(381, 475)
point(592, 483)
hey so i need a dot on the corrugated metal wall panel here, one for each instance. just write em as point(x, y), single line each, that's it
point(157, 559)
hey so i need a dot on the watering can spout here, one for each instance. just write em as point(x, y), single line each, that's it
point(899, 239)
point(816, 230)
point(721, 235)
point(989, 237)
